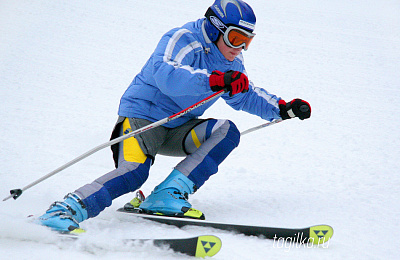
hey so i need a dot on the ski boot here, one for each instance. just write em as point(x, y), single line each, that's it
point(65, 216)
point(170, 198)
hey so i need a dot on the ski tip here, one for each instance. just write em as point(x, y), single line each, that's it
point(320, 234)
point(208, 246)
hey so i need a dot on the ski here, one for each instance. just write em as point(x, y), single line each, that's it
point(316, 235)
point(198, 246)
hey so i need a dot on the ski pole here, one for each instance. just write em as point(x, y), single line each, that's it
point(15, 193)
point(261, 126)
point(303, 108)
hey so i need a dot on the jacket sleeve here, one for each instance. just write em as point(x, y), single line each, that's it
point(256, 101)
point(174, 65)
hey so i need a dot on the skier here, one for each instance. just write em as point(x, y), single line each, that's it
point(188, 65)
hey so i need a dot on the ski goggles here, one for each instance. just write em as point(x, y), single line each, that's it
point(236, 37)
point(233, 36)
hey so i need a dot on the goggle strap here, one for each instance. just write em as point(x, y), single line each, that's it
point(213, 18)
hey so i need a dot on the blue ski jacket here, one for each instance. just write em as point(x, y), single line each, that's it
point(176, 76)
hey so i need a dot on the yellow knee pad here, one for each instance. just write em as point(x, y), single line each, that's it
point(131, 149)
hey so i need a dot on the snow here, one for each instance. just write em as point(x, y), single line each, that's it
point(65, 64)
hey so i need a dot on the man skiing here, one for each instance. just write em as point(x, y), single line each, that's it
point(188, 65)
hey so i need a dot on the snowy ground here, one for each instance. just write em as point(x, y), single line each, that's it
point(65, 64)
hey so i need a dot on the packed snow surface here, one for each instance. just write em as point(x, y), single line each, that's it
point(65, 64)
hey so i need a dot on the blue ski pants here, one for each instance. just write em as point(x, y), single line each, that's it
point(203, 143)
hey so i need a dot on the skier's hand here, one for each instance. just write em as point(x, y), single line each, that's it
point(233, 81)
point(295, 108)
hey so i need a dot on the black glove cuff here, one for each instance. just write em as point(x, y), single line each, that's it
point(283, 112)
point(216, 88)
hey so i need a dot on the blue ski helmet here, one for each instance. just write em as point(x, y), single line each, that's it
point(225, 13)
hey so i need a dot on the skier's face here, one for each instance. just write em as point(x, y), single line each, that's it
point(228, 52)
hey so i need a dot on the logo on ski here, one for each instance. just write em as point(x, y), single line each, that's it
point(321, 233)
point(207, 245)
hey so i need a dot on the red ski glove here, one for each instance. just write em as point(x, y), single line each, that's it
point(295, 108)
point(233, 81)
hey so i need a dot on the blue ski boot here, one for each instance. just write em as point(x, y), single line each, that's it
point(170, 198)
point(65, 216)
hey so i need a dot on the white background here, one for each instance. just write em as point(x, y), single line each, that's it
point(65, 64)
